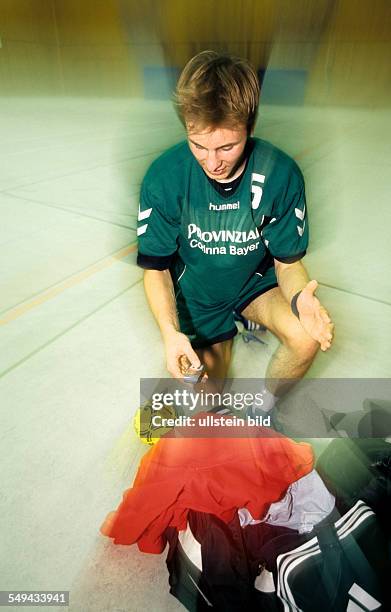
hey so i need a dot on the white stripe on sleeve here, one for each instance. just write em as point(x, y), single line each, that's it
point(142, 215)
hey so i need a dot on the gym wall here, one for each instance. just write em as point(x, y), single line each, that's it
point(318, 52)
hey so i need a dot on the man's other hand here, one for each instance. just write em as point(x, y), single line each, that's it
point(314, 317)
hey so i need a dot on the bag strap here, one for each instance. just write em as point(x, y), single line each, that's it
point(332, 550)
point(332, 553)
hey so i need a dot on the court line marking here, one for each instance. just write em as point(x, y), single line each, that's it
point(54, 284)
point(64, 331)
point(361, 295)
point(74, 211)
point(17, 311)
point(55, 177)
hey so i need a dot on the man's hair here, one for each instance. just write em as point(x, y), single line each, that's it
point(215, 90)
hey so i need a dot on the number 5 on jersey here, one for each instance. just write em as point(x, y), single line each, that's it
point(256, 181)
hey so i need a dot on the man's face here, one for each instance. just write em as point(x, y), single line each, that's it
point(218, 150)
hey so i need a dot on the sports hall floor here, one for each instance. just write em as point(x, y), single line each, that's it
point(76, 335)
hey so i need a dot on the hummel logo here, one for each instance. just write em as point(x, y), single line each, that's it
point(228, 206)
point(300, 213)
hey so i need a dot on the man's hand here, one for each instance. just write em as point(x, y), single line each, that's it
point(314, 317)
point(180, 355)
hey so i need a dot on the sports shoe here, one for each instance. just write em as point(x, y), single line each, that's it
point(247, 328)
point(247, 324)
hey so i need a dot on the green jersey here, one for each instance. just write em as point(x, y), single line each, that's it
point(214, 245)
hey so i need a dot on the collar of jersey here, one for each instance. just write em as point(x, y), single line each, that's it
point(242, 177)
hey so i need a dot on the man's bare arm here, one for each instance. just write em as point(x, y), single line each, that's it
point(159, 290)
point(160, 294)
point(293, 278)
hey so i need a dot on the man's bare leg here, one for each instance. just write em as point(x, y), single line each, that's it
point(297, 350)
point(216, 359)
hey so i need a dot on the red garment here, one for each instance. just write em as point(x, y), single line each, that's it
point(216, 475)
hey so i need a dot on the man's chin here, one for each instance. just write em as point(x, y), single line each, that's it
point(218, 176)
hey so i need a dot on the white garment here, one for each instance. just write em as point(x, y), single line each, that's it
point(306, 503)
point(191, 546)
point(265, 582)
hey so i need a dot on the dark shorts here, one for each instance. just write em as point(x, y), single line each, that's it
point(208, 324)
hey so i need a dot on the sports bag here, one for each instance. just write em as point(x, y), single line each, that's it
point(344, 567)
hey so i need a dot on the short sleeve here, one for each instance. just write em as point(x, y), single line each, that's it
point(157, 232)
point(286, 234)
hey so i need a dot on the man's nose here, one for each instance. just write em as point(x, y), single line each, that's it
point(212, 161)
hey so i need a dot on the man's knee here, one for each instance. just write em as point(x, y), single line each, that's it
point(300, 343)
